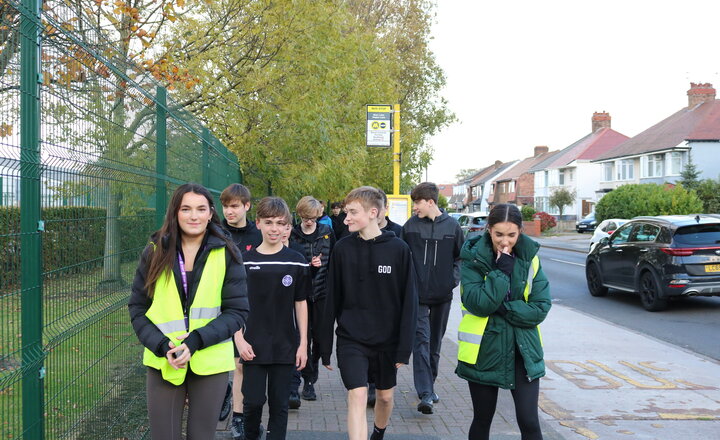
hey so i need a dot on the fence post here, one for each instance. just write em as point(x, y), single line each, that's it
point(205, 157)
point(160, 156)
point(30, 223)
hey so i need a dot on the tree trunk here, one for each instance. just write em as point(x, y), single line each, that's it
point(111, 263)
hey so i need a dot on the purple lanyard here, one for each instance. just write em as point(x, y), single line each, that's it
point(183, 275)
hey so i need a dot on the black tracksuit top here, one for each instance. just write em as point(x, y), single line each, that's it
point(275, 282)
point(321, 241)
point(435, 247)
point(371, 295)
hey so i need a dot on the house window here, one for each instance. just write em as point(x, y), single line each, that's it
point(654, 165)
point(561, 177)
point(541, 204)
point(546, 178)
point(608, 171)
point(675, 163)
point(511, 186)
point(625, 169)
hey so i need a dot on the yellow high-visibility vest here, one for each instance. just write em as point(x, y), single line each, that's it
point(472, 328)
point(166, 313)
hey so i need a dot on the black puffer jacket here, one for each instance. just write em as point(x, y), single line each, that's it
point(234, 306)
point(319, 242)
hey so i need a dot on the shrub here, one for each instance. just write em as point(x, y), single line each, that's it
point(630, 201)
point(73, 240)
point(527, 212)
point(547, 221)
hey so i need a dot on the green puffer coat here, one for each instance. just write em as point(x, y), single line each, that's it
point(483, 289)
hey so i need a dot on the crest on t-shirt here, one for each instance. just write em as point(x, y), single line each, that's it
point(287, 280)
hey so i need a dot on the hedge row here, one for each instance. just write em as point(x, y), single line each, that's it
point(74, 239)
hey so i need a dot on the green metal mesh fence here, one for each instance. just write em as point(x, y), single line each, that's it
point(82, 186)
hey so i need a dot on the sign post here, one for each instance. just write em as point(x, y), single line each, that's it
point(379, 125)
point(397, 157)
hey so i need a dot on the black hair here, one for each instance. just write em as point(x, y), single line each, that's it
point(504, 212)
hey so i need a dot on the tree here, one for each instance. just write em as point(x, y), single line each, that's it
point(561, 198)
point(465, 173)
point(708, 191)
point(690, 175)
point(629, 201)
point(285, 84)
point(442, 201)
point(117, 118)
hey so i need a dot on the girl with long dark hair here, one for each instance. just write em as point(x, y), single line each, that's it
point(505, 296)
point(188, 298)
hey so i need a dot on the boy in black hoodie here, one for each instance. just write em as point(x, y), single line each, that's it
point(435, 240)
point(235, 200)
point(372, 296)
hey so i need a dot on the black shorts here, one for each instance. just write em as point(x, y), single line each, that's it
point(358, 362)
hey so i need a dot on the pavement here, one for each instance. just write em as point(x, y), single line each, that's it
point(603, 382)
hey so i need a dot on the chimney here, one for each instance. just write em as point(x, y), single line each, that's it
point(540, 149)
point(700, 93)
point(600, 120)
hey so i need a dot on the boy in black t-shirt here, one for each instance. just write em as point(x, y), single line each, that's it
point(275, 338)
point(372, 295)
point(236, 202)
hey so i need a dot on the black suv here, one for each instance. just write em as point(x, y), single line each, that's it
point(658, 257)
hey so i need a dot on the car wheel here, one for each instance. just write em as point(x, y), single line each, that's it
point(594, 280)
point(650, 293)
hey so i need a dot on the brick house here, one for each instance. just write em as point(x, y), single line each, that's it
point(660, 153)
point(478, 190)
point(573, 169)
point(517, 185)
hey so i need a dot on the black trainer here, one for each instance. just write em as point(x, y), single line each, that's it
point(294, 401)
point(426, 404)
point(308, 392)
point(227, 404)
point(261, 431)
point(371, 395)
point(237, 427)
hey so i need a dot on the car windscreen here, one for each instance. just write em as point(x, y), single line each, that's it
point(698, 235)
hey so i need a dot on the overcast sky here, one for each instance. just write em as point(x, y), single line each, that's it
point(526, 73)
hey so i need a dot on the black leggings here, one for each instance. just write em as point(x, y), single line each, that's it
point(166, 401)
point(525, 395)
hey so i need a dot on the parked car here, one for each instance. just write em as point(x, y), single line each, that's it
point(455, 215)
point(587, 223)
point(605, 229)
point(473, 224)
point(658, 257)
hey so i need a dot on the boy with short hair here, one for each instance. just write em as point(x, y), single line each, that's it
point(236, 202)
point(317, 241)
point(435, 240)
point(274, 341)
point(372, 296)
